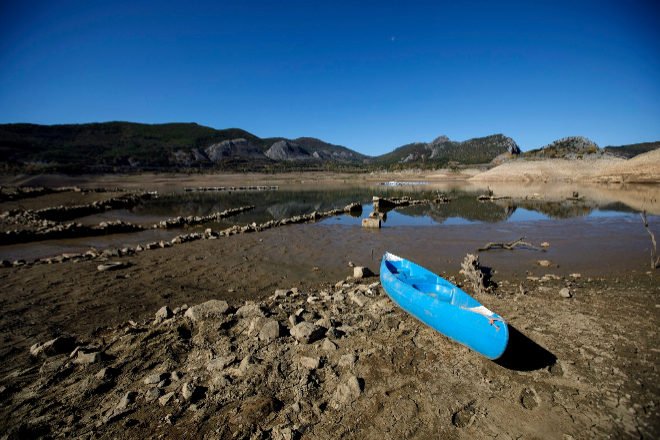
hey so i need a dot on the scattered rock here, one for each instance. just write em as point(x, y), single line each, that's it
point(565, 293)
point(347, 360)
point(213, 309)
point(529, 399)
point(328, 345)
point(112, 265)
point(270, 331)
point(125, 401)
point(153, 379)
point(311, 363)
point(163, 313)
point(307, 332)
point(59, 345)
point(107, 373)
point(152, 394)
point(250, 309)
point(188, 390)
point(360, 272)
point(220, 363)
point(165, 398)
point(545, 244)
point(87, 358)
point(544, 263)
point(346, 393)
point(358, 298)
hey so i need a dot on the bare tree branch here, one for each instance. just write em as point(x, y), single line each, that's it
point(655, 259)
point(510, 245)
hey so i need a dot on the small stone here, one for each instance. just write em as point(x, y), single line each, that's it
point(59, 345)
point(360, 272)
point(106, 373)
point(358, 298)
point(545, 244)
point(293, 320)
point(270, 331)
point(347, 360)
point(125, 401)
point(544, 263)
point(154, 378)
point(213, 309)
point(565, 293)
point(52, 365)
point(311, 363)
point(307, 332)
point(220, 363)
point(151, 394)
point(328, 345)
point(347, 392)
point(111, 265)
point(87, 358)
point(176, 376)
point(163, 313)
point(250, 309)
point(165, 398)
point(576, 275)
point(255, 326)
point(188, 390)
point(323, 322)
point(280, 293)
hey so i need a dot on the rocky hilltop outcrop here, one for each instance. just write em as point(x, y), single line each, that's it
point(287, 150)
point(442, 150)
point(232, 148)
point(572, 147)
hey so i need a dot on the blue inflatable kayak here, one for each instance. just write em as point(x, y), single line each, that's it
point(443, 306)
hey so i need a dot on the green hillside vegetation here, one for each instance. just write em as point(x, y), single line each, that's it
point(632, 150)
point(124, 145)
point(103, 145)
point(442, 151)
point(573, 147)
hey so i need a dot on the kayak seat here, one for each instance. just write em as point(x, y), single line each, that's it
point(434, 290)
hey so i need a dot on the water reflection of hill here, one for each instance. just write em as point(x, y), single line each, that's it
point(559, 210)
point(464, 206)
point(273, 205)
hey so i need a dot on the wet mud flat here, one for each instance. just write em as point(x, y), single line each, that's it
point(584, 366)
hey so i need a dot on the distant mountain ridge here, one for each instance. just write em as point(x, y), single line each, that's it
point(125, 146)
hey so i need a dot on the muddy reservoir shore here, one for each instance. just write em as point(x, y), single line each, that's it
point(294, 346)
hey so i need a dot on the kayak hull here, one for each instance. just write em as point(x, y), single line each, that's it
point(443, 306)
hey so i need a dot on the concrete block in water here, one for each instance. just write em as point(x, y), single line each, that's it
point(371, 222)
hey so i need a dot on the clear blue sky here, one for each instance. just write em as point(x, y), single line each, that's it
point(371, 76)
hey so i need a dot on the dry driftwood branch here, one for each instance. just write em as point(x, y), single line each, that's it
point(511, 245)
point(655, 259)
